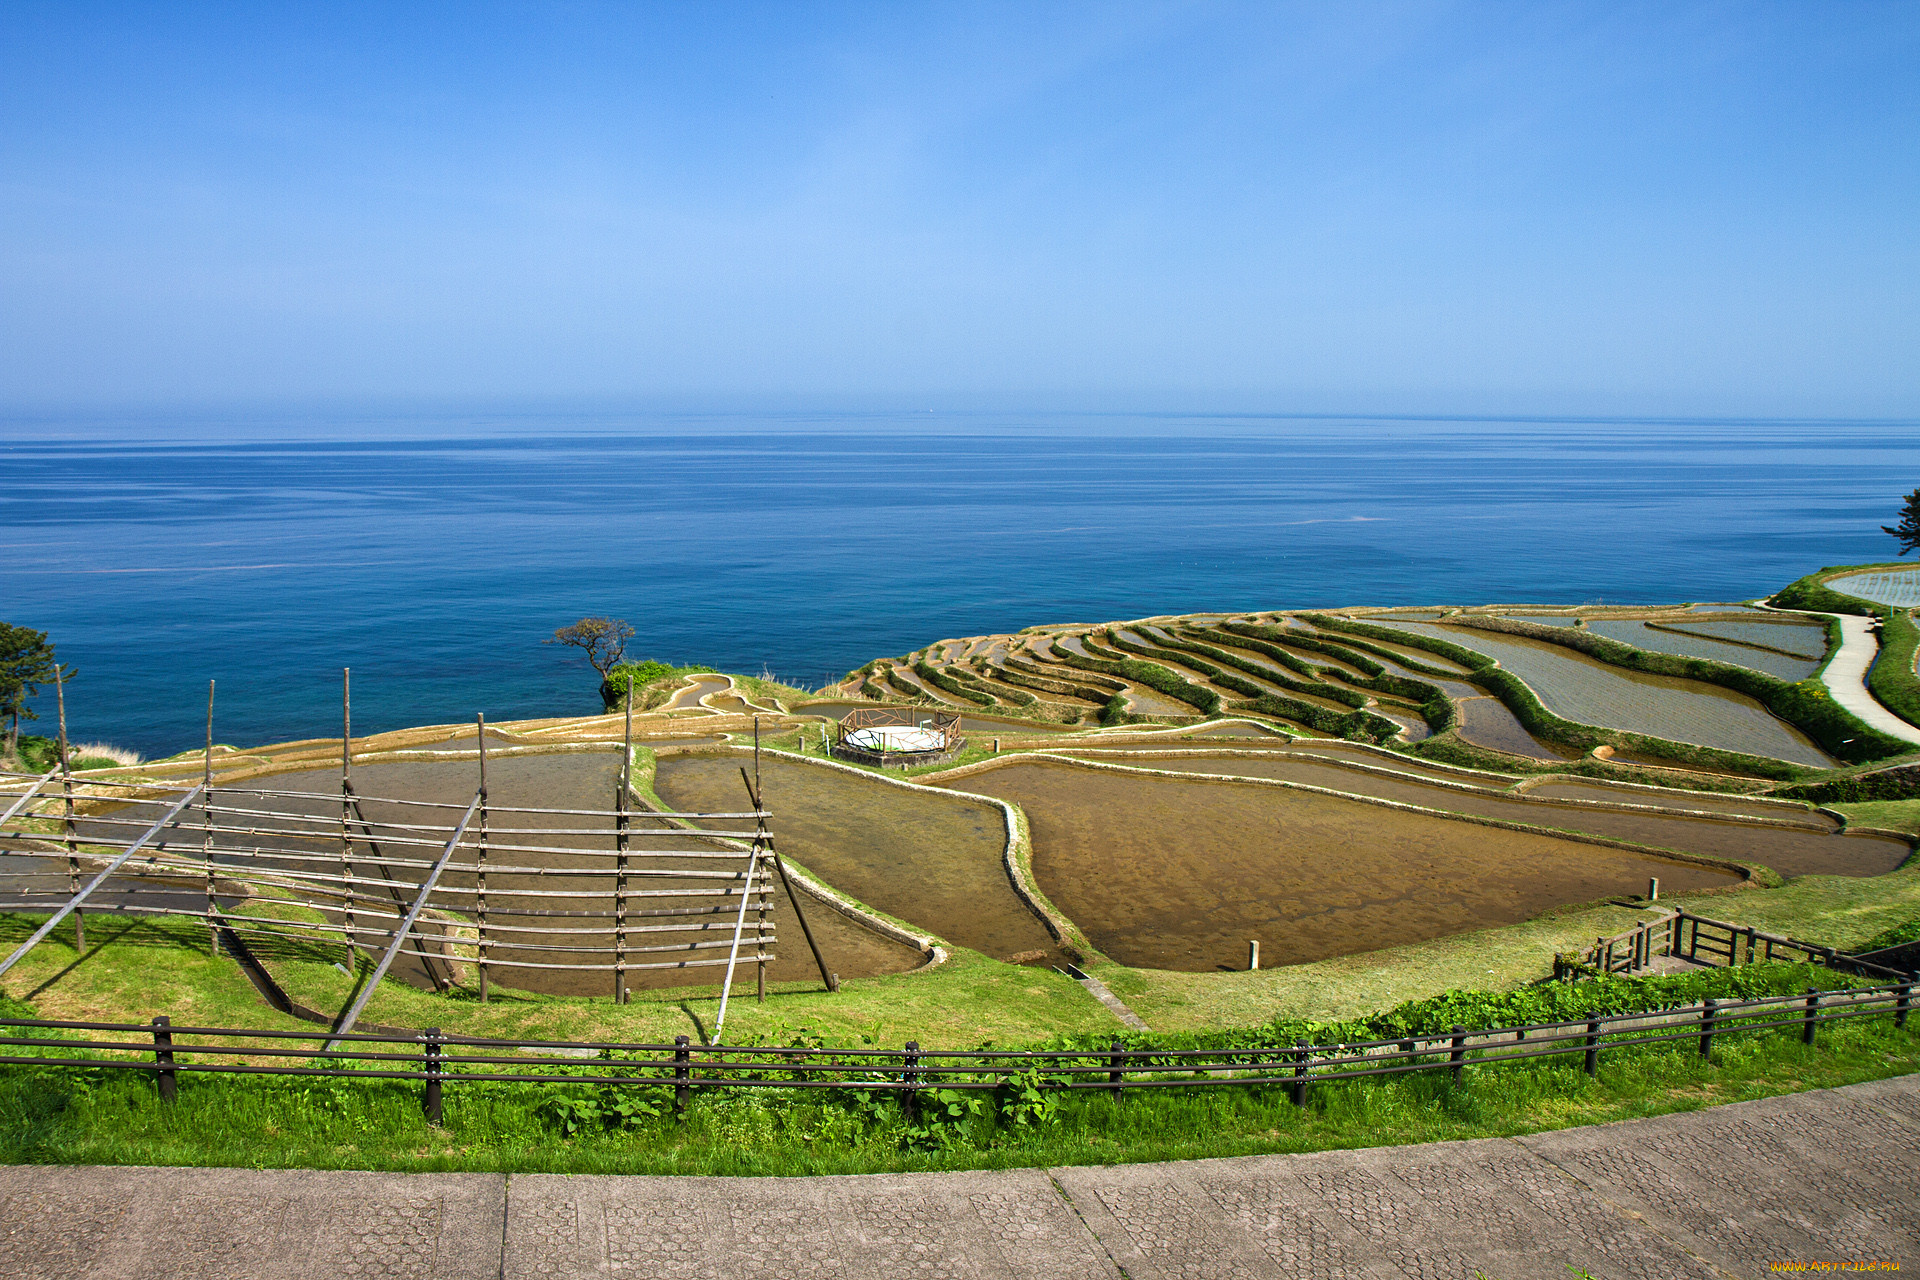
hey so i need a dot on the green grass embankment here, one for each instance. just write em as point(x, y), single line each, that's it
point(1892, 678)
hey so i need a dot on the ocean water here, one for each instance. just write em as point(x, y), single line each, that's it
point(433, 553)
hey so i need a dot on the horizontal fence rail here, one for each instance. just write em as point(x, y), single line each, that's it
point(438, 1059)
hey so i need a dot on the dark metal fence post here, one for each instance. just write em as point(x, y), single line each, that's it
point(1813, 1015)
point(1753, 943)
point(910, 1096)
point(433, 1075)
point(1707, 1008)
point(1299, 1085)
point(1592, 1064)
point(1901, 1003)
point(1459, 1054)
point(163, 1057)
point(682, 1074)
point(1117, 1070)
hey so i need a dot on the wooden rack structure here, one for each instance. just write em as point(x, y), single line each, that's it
point(433, 885)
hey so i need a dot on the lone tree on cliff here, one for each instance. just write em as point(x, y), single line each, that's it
point(603, 640)
point(26, 663)
point(1908, 530)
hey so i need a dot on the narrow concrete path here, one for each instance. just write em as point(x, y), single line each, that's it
point(1846, 677)
point(1831, 1176)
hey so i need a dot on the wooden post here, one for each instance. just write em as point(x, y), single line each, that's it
point(206, 844)
point(163, 1057)
point(620, 861)
point(1606, 960)
point(1253, 954)
point(1693, 937)
point(1813, 1016)
point(71, 840)
point(1458, 1057)
point(346, 812)
point(1116, 1072)
point(1901, 1002)
point(432, 1100)
point(682, 1076)
point(1707, 1008)
point(1752, 942)
point(480, 867)
point(910, 1096)
point(1299, 1085)
point(1653, 888)
point(1592, 1064)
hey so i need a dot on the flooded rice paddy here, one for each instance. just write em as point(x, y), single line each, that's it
point(934, 861)
point(1801, 639)
point(567, 781)
point(1578, 688)
point(1485, 721)
point(1813, 849)
point(1752, 808)
point(1168, 873)
point(1661, 640)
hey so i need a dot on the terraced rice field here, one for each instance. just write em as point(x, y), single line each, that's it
point(1167, 873)
point(1692, 645)
point(1578, 688)
point(1896, 587)
point(1810, 847)
point(1801, 639)
point(934, 861)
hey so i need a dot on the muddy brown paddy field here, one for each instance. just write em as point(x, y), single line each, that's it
point(933, 860)
point(1167, 873)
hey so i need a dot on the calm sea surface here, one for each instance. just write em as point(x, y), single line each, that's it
point(432, 554)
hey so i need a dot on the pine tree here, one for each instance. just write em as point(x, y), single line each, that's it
point(1908, 530)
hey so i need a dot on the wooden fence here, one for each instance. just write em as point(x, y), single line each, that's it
point(1700, 941)
point(438, 1060)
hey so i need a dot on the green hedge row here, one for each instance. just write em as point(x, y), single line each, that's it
point(947, 684)
point(1484, 1010)
point(1892, 679)
point(1150, 674)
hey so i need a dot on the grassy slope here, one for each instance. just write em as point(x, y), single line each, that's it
point(1892, 678)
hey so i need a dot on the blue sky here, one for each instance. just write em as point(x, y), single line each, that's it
point(1513, 207)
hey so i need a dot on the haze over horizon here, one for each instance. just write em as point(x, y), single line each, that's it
point(1418, 208)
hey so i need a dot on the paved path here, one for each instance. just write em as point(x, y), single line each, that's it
point(1829, 1176)
point(1846, 677)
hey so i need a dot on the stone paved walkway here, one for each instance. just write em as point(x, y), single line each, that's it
point(1825, 1177)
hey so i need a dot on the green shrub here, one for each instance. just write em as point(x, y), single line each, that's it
point(623, 679)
